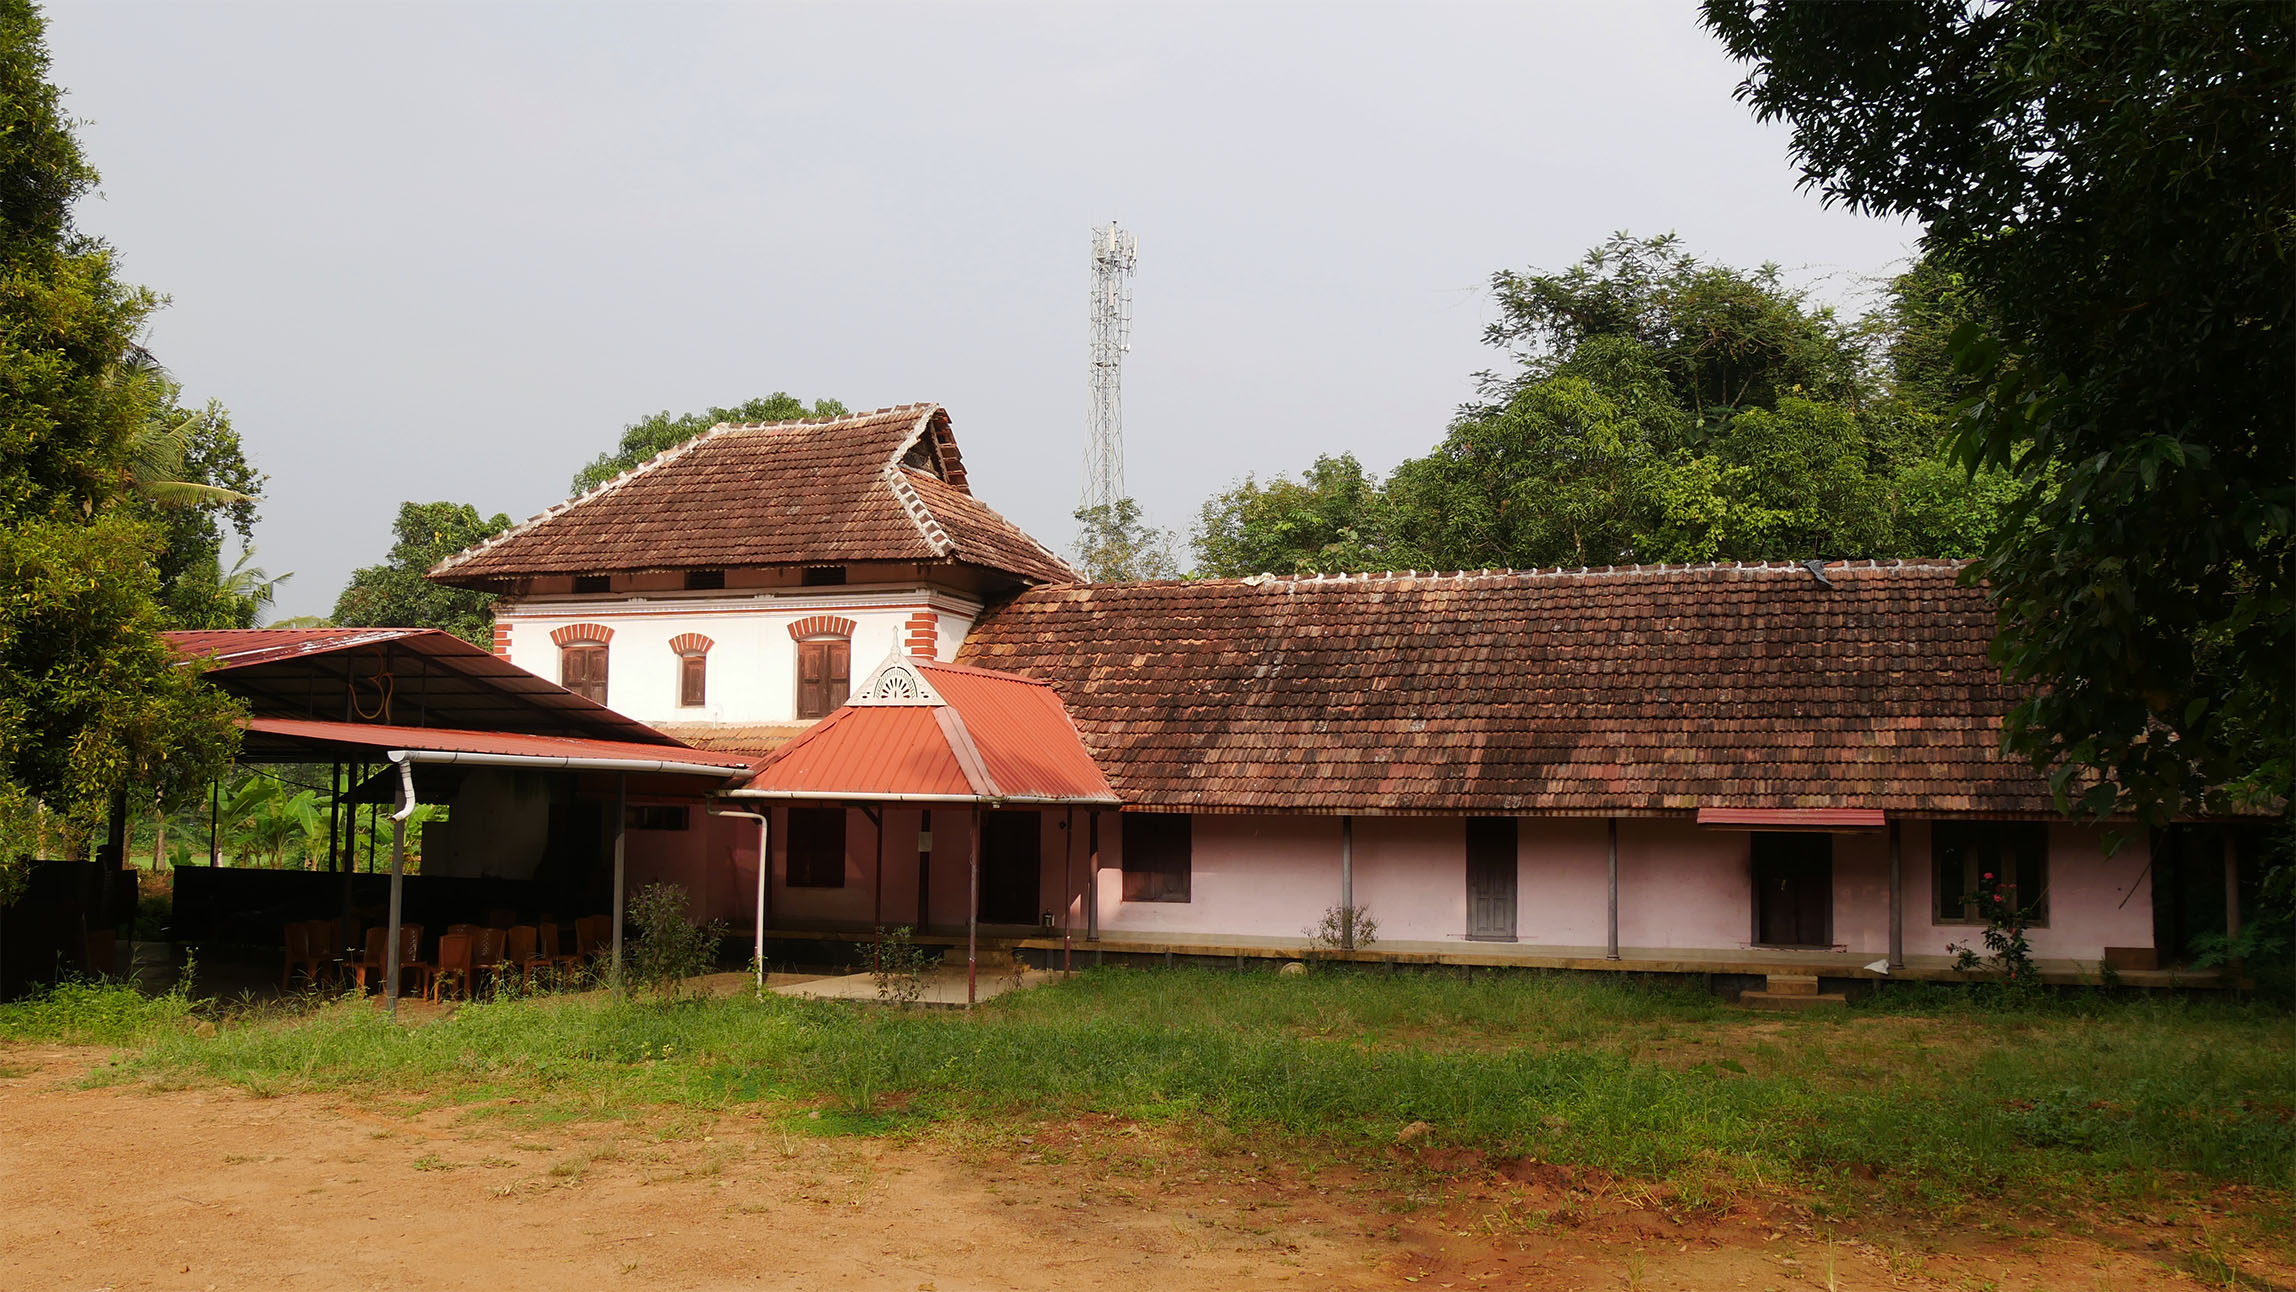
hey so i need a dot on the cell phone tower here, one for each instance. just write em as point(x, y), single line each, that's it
point(1115, 254)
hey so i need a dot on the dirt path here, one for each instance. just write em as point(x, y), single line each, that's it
point(131, 1187)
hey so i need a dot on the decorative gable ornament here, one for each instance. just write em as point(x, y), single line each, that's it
point(897, 683)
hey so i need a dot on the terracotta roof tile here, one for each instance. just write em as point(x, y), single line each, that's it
point(814, 491)
point(1651, 689)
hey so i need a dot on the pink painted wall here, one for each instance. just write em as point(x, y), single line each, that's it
point(2095, 901)
point(1410, 874)
point(1562, 882)
point(1681, 886)
point(1255, 876)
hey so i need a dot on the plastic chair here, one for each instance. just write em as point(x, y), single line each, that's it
point(549, 953)
point(307, 951)
point(371, 959)
point(522, 949)
point(486, 955)
point(454, 961)
point(501, 917)
point(411, 958)
point(593, 936)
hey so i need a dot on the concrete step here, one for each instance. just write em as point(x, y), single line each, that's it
point(1793, 984)
point(1792, 1000)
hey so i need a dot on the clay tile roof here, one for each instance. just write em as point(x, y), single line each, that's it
point(887, 485)
point(1635, 691)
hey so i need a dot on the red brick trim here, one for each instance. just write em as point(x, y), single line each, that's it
point(502, 639)
point(584, 634)
point(922, 634)
point(820, 626)
point(691, 644)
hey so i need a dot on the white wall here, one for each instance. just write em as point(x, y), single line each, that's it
point(753, 659)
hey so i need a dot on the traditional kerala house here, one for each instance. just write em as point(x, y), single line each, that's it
point(1789, 769)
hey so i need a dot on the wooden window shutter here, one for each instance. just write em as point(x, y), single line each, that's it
point(582, 670)
point(812, 679)
point(840, 672)
point(693, 680)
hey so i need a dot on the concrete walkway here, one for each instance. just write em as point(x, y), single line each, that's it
point(944, 987)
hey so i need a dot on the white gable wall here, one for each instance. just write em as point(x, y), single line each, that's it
point(752, 659)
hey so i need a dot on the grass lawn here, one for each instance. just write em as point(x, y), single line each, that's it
point(1927, 1102)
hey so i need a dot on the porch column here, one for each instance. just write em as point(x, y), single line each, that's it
point(621, 809)
point(1612, 952)
point(2231, 888)
point(391, 967)
point(973, 910)
point(1092, 878)
point(1896, 895)
point(1067, 886)
point(1347, 883)
point(924, 868)
point(877, 887)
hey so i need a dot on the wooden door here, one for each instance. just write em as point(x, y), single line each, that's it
point(1491, 879)
point(1794, 890)
point(1012, 862)
point(824, 670)
point(582, 670)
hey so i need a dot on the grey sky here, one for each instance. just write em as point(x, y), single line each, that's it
point(448, 251)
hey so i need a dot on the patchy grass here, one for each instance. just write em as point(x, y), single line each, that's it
point(93, 1013)
point(1930, 1103)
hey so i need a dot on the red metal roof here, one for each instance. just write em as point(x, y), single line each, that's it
point(288, 736)
point(1794, 818)
point(397, 676)
point(982, 736)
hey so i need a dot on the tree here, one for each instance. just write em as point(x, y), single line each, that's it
point(2111, 179)
point(1113, 545)
point(91, 699)
point(649, 436)
point(396, 595)
point(1330, 519)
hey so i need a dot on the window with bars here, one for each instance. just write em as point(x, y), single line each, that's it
point(824, 676)
point(1157, 856)
point(1980, 865)
point(582, 669)
point(816, 848)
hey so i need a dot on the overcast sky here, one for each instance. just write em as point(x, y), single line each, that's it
point(447, 252)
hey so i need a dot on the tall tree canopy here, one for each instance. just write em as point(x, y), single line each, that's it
point(91, 700)
point(395, 594)
point(648, 436)
point(2112, 178)
point(1659, 409)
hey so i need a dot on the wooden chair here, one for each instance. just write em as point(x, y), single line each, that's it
point(455, 962)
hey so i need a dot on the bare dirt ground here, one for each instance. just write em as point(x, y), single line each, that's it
point(133, 1187)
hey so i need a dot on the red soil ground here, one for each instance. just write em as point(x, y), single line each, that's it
point(132, 1187)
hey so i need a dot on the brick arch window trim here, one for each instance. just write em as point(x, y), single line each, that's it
point(582, 635)
point(691, 644)
point(820, 626)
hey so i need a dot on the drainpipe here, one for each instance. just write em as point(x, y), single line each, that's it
point(1347, 883)
point(1612, 953)
point(1896, 896)
point(1067, 890)
point(764, 877)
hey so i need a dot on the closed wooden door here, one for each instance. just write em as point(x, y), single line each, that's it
point(1012, 860)
point(1491, 879)
point(1794, 890)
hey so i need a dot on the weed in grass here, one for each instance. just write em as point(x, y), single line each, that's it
point(433, 1162)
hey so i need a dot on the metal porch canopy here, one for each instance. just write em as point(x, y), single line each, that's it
point(922, 732)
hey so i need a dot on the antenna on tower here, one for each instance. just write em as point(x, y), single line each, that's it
point(1115, 254)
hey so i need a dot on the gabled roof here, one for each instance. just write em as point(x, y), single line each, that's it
point(921, 731)
point(409, 676)
point(1645, 691)
point(887, 485)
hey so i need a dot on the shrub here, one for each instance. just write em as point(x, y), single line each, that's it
point(670, 947)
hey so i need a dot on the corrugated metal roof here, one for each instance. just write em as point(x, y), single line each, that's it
point(996, 738)
point(277, 736)
point(414, 677)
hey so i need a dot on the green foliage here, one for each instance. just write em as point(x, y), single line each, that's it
point(1661, 410)
point(74, 1012)
point(1330, 519)
point(396, 595)
point(90, 699)
point(1342, 928)
point(2112, 180)
point(1114, 545)
point(670, 947)
point(648, 436)
point(897, 966)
